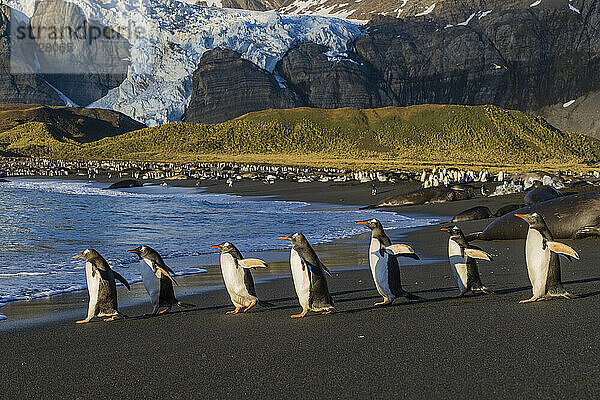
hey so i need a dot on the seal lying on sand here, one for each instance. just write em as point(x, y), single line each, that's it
point(126, 183)
point(567, 217)
point(472, 214)
point(437, 194)
point(541, 192)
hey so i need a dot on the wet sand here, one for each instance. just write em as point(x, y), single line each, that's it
point(438, 347)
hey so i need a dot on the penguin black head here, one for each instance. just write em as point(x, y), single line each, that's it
point(297, 239)
point(228, 248)
point(456, 234)
point(535, 220)
point(88, 254)
point(225, 247)
point(371, 223)
point(453, 231)
point(141, 251)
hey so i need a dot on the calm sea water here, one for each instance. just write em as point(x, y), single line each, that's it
point(45, 222)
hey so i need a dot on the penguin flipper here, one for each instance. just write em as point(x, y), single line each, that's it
point(561, 248)
point(165, 272)
point(121, 279)
point(403, 250)
point(476, 253)
point(252, 263)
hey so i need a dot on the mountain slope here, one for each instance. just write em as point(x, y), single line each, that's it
point(449, 135)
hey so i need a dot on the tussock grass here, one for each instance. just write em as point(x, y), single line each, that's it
point(391, 137)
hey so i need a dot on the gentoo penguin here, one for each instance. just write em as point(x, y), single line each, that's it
point(101, 286)
point(238, 279)
point(384, 264)
point(158, 280)
point(541, 255)
point(463, 261)
point(308, 273)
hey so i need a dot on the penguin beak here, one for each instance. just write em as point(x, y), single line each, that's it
point(78, 256)
point(283, 238)
point(444, 229)
point(520, 215)
point(361, 222)
point(214, 246)
point(132, 251)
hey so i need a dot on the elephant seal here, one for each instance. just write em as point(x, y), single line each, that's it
point(506, 209)
point(541, 192)
point(472, 214)
point(126, 183)
point(438, 194)
point(567, 217)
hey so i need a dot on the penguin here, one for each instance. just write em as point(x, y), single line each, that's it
point(238, 278)
point(463, 261)
point(543, 264)
point(158, 280)
point(308, 273)
point(101, 287)
point(384, 263)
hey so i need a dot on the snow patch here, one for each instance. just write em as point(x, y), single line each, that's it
point(535, 3)
point(280, 80)
point(574, 9)
point(484, 14)
point(2, 317)
point(334, 56)
point(63, 97)
point(568, 103)
point(427, 11)
point(467, 21)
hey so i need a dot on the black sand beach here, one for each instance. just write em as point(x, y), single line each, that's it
point(438, 347)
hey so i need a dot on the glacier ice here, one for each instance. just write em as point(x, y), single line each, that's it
point(175, 34)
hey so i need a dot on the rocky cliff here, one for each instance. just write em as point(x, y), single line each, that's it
point(25, 87)
point(44, 70)
point(227, 86)
point(515, 56)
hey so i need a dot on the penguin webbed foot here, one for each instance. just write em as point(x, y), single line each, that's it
point(83, 321)
point(249, 306)
point(233, 312)
point(302, 314)
point(532, 299)
point(385, 302)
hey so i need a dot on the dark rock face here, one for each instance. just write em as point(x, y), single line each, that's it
point(226, 86)
point(20, 88)
point(327, 80)
point(86, 71)
point(515, 56)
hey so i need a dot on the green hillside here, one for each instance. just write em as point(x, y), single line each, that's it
point(385, 137)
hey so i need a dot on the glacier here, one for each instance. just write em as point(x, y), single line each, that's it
point(175, 34)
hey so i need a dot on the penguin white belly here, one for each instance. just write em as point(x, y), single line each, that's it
point(379, 269)
point(301, 279)
point(151, 281)
point(538, 261)
point(93, 285)
point(234, 282)
point(459, 265)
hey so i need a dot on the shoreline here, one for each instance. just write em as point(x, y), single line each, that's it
point(39, 311)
